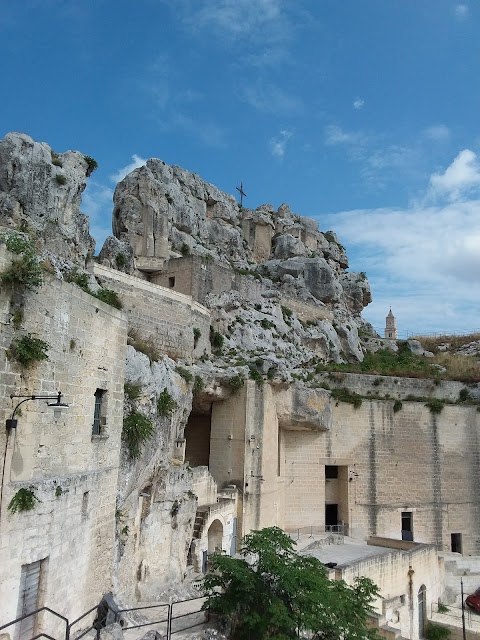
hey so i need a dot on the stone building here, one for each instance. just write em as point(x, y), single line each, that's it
point(61, 552)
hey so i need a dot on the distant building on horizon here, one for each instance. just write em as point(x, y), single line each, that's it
point(391, 332)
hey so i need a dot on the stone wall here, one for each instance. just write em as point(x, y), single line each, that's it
point(161, 315)
point(399, 388)
point(399, 576)
point(409, 461)
point(73, 473)
point(198, 277)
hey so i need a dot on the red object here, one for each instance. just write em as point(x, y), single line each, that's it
point(473, 601)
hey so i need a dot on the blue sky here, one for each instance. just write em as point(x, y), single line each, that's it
point(364, 115)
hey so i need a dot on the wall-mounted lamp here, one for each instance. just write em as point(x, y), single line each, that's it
point(57, 406)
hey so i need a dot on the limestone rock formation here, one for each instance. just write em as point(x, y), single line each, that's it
point(41, 190)
point(163, 213)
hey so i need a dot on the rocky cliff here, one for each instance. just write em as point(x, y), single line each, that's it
point(40, 191)
point(162, 213)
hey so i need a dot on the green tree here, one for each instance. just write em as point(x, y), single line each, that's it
point(274, 593)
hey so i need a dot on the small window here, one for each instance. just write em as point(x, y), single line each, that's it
point(99, 418)
point(331, 472)
point(407, 525)
point(456, 540)
point(171, 282)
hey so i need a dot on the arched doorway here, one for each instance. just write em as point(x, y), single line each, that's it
point(422, 610)
point(215, 536)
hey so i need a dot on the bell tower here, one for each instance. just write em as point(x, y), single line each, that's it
point(390, 327)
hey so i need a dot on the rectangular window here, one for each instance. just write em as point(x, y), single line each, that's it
point(99, 412)
point(456, 540)
point(407, 525)
point(331, 472)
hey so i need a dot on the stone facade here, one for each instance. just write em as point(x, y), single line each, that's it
point(72, 472)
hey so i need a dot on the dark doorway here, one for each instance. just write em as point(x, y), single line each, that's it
point(407, 525)
point(331, 514)
point(456, 539)
point(197, 436)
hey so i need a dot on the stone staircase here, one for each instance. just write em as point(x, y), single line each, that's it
point(200, 519)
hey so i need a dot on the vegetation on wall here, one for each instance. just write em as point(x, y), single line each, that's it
point(132, 390)
point(143, 346)
point(137, 429)
point(273, 593)
point(198, 384)
point(404, 363)
point(81, 279)
point(435, 405)
point(165, 403)
point(236, 382)
point(28, 350)
point(345, 395)
point(216, 340)
point(25, 270)
point(24, 500)
point(92, 165)
point(185, 373)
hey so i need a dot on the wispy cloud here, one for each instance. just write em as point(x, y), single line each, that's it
point(461, 11)
point(437, 132)
point(278, 144)
point(459, 179)
point(269, 98)
point(264, 21)
point(335, 135)
point(423, 260)
point(358, 103)
point(262, 29)
point(136, 162)
point(175, 107)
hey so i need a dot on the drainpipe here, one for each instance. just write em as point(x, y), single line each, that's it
point(410, 597)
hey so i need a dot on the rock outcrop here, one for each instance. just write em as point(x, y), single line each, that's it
point(40, 190)
point(162, 213)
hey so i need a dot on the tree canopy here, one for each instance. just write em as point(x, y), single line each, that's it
point(273, 593)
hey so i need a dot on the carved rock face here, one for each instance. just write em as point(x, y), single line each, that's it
point(41, 190)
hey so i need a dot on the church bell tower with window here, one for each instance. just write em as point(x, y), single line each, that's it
point(390, 327)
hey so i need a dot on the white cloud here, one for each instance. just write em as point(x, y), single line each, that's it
point(278, 144)
point(437, 133)
point(137, 162)
point(423, 261)
point(460, 178)
point(461, 11)
point(358, 103)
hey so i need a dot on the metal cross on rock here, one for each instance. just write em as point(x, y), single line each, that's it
point(242, 193)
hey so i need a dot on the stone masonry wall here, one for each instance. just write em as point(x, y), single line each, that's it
point(412, 461)
point(399, 576)
point(73, 473)
point(161, 315)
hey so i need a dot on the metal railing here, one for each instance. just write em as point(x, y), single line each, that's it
point(104, 614)
point(34, 613)
point(453, 615)
point(337, 529)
